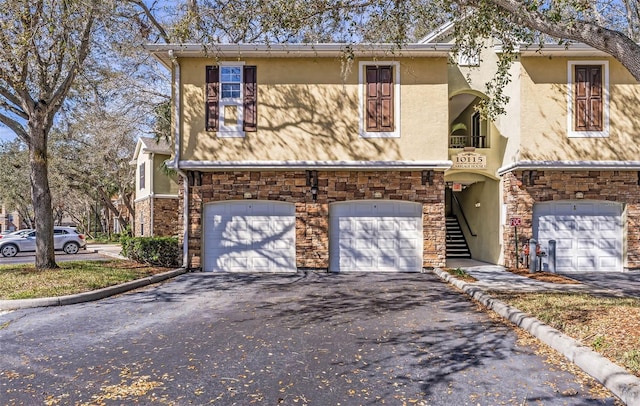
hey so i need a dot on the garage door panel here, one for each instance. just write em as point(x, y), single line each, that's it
point(607, 264)
point(587, 262)
point(387, 243)
point(586, 244)
point(565, 264)
point(379, 234)
point(608, 244)
point(586, 225)
point(387, 225)
point(588, 234)
point(409, 244)
point(608, 224)
point(564, 224)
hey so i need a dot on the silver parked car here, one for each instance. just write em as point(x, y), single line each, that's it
point(67, 239)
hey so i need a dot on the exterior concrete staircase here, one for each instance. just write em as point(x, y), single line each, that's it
point(456, 243)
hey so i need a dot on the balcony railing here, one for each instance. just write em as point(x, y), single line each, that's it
point(461, 141)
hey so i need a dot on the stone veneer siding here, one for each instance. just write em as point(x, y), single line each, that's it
point(142, 216)
point(165, 217)
point(312, 217)
point(548, 185)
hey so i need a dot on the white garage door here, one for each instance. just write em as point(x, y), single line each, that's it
point(588, 234)
point(375, 236)
point(249, 236)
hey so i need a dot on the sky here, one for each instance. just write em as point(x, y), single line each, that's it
point(6, 134)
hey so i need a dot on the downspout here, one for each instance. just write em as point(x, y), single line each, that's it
point(152, 193)
point(176, 160)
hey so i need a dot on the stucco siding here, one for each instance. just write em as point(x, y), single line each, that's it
point(163, 184)
point(308, 109)
point(544, 97)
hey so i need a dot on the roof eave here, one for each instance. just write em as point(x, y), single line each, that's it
point(546, 50)
point(164, 53)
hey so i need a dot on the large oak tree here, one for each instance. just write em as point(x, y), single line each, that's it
point(43, 47)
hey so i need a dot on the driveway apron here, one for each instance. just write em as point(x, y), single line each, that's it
point(306, 338)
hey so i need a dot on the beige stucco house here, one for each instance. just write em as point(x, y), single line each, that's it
point(156, 196)
point(373, 158)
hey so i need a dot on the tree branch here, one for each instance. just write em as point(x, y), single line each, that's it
point(612, 42)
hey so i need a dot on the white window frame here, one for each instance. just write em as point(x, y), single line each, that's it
point(605, 100)
point(142, 175)
point(396, 100)
point(231, 131)
point(471, 59)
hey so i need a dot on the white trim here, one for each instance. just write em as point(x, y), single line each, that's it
point(149, 197)
point(574, 49)
point(571, 133)
point(165, 196)
point(443, 29)
point(165, 52)
point(232, 131)
point(396, 99)
point(329, 165)
point(571, 165)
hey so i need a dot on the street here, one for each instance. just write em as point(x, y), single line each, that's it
point(302, 339)
point(29, 257)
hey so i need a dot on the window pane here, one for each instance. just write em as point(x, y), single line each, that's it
point(230, 74)
point(230, 90)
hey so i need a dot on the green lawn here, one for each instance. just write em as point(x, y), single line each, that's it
point(24, 282)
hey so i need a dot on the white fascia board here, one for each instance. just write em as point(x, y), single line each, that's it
point(301, 165)
point(161, 52)
point(571, 165)
point(571, 50)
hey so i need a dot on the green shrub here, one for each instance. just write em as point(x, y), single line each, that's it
point(157, 251)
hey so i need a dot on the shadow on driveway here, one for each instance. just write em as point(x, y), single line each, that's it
point(306, 338)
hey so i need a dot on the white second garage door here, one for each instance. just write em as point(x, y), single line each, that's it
point(375, 236)
point(588, 234)
point(249, 236)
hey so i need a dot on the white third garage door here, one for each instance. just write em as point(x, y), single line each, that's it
point(375, 236)
point(588, 234)
point(249, 236)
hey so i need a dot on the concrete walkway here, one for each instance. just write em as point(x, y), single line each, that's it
point(110, 250)
point(496, 278)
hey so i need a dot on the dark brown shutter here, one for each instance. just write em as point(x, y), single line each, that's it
point(213, 89)
point(588, 98)
point(379, 98)
point(250, 101)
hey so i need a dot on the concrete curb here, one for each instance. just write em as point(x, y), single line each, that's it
point(624, 385)
point(89, 296)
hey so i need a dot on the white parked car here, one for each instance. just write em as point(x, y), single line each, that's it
point(66, 239)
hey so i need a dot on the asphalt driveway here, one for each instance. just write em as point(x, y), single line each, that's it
point(314, 339)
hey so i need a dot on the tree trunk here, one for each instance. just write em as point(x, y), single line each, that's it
point(41, 195)
point(109, 204)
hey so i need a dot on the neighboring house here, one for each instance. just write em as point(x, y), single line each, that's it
point(295, 158)
point(156, 197)
point(9, 220)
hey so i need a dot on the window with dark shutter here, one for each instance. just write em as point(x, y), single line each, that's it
point(212, 96)
point(250, 101)
point(379, 99)
point(588, 97)
point(231, 100)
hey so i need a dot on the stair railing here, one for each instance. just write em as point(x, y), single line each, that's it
point(455, 198)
